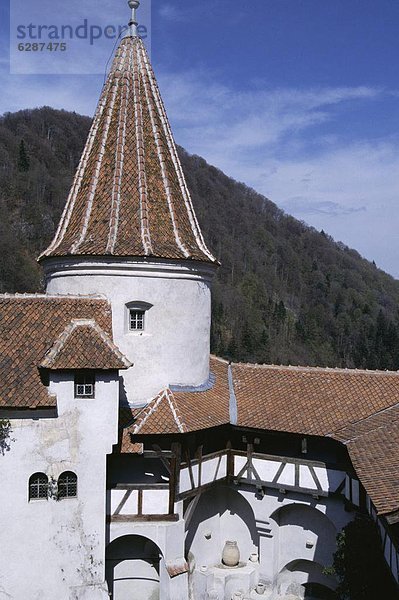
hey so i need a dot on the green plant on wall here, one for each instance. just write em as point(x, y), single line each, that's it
point(359, 563)
point(5, 436)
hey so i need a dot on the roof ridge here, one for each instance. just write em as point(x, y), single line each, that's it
point(147, 412)
point(301, 368)
point(59, 344)
point(153, 406)
point(364, 420)
point(44, 296)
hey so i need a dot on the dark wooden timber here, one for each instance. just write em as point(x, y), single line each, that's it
point(174, 476)
point(141, 518)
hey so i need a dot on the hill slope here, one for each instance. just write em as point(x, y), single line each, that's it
point(285, 292)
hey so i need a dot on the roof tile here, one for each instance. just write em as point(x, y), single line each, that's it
point(28, 327)
point(129, 196)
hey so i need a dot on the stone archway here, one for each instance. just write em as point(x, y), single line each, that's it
point(221, 514)
point(132, 568)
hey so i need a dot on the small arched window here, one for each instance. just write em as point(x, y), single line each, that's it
point(67, 485)
point(38, 486)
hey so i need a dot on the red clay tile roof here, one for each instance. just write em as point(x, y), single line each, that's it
point(312, 401)
point(180, 411)
point(357, 408)
point(84, 345)
point(129, 196)
point(28, 327)
point(373, 446)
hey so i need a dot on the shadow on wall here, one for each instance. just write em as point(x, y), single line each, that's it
point(301, 557)
point(306, 579)
point(221, 514)
point(132, 568)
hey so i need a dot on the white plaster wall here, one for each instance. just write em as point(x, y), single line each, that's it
point(55, 549)
point(174, 348)
point(304, 530)
point(169, 537)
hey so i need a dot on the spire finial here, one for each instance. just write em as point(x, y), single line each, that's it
point(133, 4)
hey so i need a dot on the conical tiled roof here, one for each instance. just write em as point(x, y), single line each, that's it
point(129, 196)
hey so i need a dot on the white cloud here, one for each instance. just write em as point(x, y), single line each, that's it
point(75, 93)
point(274, 141)
point(169, 12)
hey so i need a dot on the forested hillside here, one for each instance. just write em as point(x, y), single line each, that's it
point(285, 293)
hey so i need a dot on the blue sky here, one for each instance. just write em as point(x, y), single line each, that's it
point(297, 98)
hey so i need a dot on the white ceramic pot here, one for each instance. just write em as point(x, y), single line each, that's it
point(254, 557)
point(230, 554)
point(260, 588)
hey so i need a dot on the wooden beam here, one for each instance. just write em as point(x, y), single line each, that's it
point(155, 454)
point(314, 477)
point(122, 502)
point(230, 462)
point(140, 486)
point(194, 461)
point(141, 518)
point(200, 490)
point(286, 488)
point(160, 454)
point(199, 458)
point(174, 476)
point(190, 469)
point(285, 459)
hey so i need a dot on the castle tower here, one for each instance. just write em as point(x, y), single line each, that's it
point(129, 232)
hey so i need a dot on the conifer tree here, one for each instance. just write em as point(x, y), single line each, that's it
point(23, 159)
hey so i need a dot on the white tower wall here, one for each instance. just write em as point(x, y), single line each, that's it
point(174, 347)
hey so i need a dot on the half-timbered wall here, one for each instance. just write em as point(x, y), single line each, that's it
point(390, 547)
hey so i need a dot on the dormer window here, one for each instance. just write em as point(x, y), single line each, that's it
point(84, 384)
point(136, 319)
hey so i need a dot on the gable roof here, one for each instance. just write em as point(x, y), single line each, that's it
point(84, 345)
point(357, 408)
point(29, 325)
point(129, 196)
point(184, 411)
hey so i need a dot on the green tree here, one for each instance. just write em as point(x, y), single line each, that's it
point(359, 564)
point(23, 158)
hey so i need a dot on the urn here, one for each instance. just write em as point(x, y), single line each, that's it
point(230, 554)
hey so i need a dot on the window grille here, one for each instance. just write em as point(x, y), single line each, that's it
point(84, 385)
point(38, 486)
point(136, 319)
point(67, 485)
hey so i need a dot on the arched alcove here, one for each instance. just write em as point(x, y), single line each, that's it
point(306, 579)
point(221, 514)
point(132, 568)
point(303, 532)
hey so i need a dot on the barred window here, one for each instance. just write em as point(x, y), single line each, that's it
point(84, 385)
point(67, 485)
point(136, 319)
point(38, 486)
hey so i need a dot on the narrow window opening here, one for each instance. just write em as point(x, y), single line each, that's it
point(136, 319)
point(84, 385)
point(67, 485)
point(38, 486)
